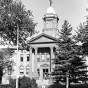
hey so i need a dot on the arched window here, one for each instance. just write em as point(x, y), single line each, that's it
point(21, 69)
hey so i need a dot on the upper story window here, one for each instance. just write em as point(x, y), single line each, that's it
point(47, 57)
point(38, 58)
point(43, 57)
point(21, 57)
point(28, 57)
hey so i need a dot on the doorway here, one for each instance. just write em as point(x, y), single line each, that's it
point(45, 73)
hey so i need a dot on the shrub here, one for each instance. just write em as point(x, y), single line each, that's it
point(23, 82)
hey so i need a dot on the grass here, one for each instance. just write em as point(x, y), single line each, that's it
point(72, 86)
point(57, 86)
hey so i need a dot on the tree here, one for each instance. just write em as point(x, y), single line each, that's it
point(82, 36)
point(5, 63)
point(13, 15)
point(68, 61)
point(24, 82)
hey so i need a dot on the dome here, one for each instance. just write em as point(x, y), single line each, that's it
point(51, 10)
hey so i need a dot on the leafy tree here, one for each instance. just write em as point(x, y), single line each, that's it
point(68, 61)
point(5, 63)
point(24, 82)
point(13, 16)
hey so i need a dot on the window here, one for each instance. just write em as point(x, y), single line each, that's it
point(38, 58)
point(21, 69)
point(21, 73)
point(47, 57)
point(21, 57)
point(43, 57)
point(27, 69)
point(49, 24)
point(28, 58)
point(38, 70)
point(55, 24)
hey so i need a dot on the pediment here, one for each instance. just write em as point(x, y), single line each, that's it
point(42, 38)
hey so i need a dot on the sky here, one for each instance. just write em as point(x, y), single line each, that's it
point(74, 11)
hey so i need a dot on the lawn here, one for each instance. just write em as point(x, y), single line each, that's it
point(72, 86)
point(57, 86)
point(63, 86)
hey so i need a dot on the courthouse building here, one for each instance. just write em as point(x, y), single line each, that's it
point(43, 45)
point(37, 62)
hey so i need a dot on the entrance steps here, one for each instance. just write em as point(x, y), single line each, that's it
point(42, 82)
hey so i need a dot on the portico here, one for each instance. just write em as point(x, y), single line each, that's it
point(42, 49)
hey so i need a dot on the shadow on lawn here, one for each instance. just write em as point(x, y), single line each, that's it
point(71, 86)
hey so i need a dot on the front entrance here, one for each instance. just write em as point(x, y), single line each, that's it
point(45, 73)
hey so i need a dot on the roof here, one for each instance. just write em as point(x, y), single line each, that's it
point(42, 38)
point(50, 9)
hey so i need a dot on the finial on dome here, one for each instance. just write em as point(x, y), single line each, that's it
point(50, 2)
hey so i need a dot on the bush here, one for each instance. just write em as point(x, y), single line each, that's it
point(23, 82)
point(5, 86)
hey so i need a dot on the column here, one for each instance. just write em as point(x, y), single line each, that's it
point(51, 57)
point(30, 73)
point(45, 57)
point(35, 63)
point(41, 73)
point(40, 68)
point(25, 58)
point(40, 56)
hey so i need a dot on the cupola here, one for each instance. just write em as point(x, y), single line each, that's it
point(50, 21)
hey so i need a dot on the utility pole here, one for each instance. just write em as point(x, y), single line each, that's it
point(67, 80)
point(17, 75)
